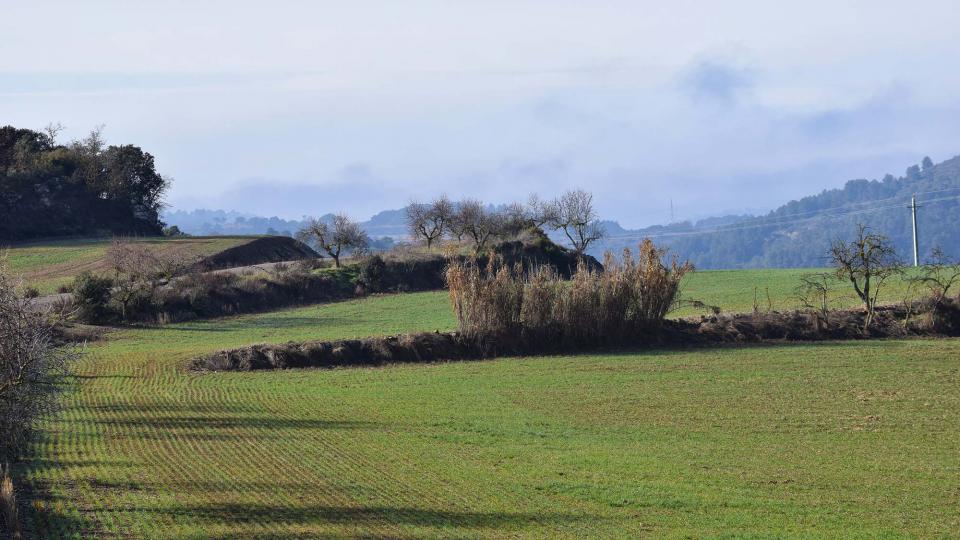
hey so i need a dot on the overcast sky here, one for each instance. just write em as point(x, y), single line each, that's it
point(291, 108)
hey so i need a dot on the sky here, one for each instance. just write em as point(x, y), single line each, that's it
point(302, 108)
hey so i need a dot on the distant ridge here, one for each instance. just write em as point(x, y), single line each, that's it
point(799, 233)
point(796, 234)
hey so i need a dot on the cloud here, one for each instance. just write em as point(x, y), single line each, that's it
point(716, 82)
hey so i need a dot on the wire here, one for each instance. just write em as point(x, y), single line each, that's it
point(777, 223)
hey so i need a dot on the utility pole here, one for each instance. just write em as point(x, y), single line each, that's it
point(916, 245)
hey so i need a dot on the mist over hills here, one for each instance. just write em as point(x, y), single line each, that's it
point(797, 234)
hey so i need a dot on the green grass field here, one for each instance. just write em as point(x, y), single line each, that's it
point(49, 264)
point(825, 440)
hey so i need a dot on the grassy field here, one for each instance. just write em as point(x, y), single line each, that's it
point(738, 290)
point(828, 440)
point(48, 265)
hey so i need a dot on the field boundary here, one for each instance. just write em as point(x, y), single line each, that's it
point(772, 327)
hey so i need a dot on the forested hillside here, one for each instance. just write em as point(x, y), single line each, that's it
point(795, 235)
point(798, 233)
point(82, 188)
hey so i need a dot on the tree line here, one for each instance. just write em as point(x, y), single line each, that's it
point(468, 220)
point(572, 212)
point(84, 187)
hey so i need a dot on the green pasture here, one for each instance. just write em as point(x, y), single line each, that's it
point(852, 440)
point(50, 264)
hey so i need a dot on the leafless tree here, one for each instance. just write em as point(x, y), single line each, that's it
point(429, 221)
point(814, 291)
point(867, 262)
point(335, 236)
point(479, 223)
point(134, 267)
point(574, 213)
point(514, 219)
point(540, 212)
point(31, 366)
point(139, 270)
point(939, 275)
point(53, 131)
point(457, 223)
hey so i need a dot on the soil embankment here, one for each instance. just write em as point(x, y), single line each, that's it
point(798, 326)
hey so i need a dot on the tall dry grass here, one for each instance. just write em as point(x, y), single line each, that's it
point(9, 521)
point(628, 299)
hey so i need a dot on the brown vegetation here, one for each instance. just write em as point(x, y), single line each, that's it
point(627, 299)
point(715, 329)
point(9, 520)
point(867, 262)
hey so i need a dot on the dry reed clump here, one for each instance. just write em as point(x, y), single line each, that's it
point(8, 506)
point(628, 299)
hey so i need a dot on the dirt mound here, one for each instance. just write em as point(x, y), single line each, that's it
point(266, 249)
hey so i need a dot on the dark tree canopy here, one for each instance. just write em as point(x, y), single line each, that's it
point(84, 188)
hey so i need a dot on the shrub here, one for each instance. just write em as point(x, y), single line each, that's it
point(31, 292)
point(91, 296)
point(30, 368)
point(628, 299)
point(8, 505)
point(373, 273)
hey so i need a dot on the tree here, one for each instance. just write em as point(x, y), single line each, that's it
point(478, 223)
point(456, 224)
point(85, 187)
point(429, 221)
point(134, 265)
point(939, 275)
point(866, 262)
point(927, 163)
point(540, 212)
point(139, 271)
point(573, 212)
point(913, 172)
point(335, 236)
point(31, 365)
point(514, 219)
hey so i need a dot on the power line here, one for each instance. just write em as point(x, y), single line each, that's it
point(776, 223)
point(864, 202)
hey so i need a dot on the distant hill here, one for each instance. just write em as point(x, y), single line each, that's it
point(799, 233)
point(796, 234)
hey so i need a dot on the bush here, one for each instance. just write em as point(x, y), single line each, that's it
point(91, 296)
point(9, 521)
point(628, 299)
point(30, 368)
point(31, 292)
point(373, 274)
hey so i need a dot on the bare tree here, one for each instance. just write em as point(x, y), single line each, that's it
point(814, 291)
point(53, 131)
point(573, 212)
point(31, 365)
point(479, 223)
point(456, 223)
point(540, 212)
point(134, 267)
point(514, 219)
point(867, 262)
point(140, 270)
point(335, 236)
point(939, 275)
point(429, 221)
